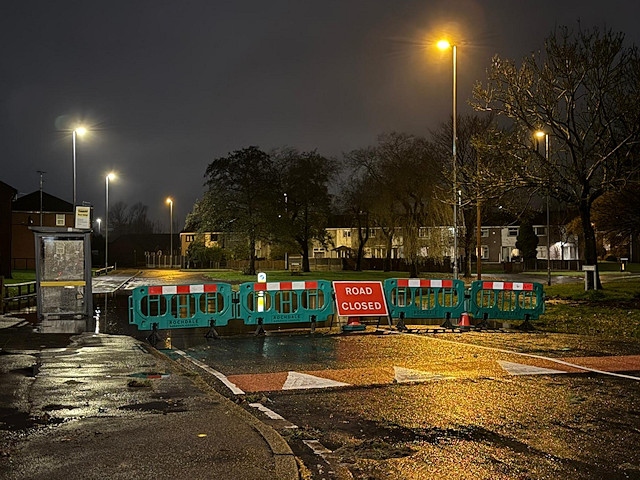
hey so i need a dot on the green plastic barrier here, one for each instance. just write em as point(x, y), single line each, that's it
point(181, 306)
point(417, 298)
point(285, 302)
point(506, 300)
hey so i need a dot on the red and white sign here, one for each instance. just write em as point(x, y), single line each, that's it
point(422, 283)
point(507, 286)
point(182, 289)
point(360, 299)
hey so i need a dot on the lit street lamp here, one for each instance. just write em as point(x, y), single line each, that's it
point(77, 131)
point(170, 202)
point(98, 221)
point(110, 176)
point(444, 45)
point(541, 134)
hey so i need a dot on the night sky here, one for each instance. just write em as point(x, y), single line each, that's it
point(165, 87)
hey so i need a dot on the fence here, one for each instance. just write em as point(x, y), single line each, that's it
point(18, 296)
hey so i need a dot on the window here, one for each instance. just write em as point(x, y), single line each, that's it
point(346, 233)
point(372, 233)
point(540, 231)
point(512, 231)
point(213, 237)
point(484, 232)
point(60, 219)
point(422, 232)
point(484, 252)
point(189, 238)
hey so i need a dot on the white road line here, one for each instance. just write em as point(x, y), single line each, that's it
point(230, 385)
point(531, 355)
point(272, 415)
point(297, 381)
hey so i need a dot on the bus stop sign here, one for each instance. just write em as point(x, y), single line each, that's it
point(360, 299)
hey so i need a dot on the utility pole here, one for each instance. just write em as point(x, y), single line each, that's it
point(41, 172)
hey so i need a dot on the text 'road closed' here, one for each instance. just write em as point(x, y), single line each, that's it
point(360, 299)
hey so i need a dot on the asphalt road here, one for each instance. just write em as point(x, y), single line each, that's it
point(441, 406)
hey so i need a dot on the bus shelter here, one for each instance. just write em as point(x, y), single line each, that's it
point(63, 279)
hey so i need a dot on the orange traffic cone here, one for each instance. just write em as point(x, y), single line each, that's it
point(353, 325)
point(465, 322)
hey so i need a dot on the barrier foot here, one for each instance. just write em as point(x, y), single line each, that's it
point(154, 336)
point(447, 322)
point(401, 326)
point(212, 333)
point(260, 329)
point(313, 323)
point(484, 323)
point(526, 325)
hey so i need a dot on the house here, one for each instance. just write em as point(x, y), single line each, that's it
point(7, 195)
point(35, 209)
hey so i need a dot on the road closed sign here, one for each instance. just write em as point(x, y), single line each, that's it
point(360, 299)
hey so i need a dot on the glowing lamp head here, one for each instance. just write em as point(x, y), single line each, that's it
point(80, 131)
point(169, 201)
point(111, 176)
point(540, 134)
point(444, 45)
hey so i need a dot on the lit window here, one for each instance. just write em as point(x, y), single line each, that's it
point(60, 219)
point(484, 232)
point(513, 231)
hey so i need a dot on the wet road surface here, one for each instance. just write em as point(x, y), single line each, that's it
point(409, 406)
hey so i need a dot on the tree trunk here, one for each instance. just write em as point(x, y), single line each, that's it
point(590, 246)
point(387, 259)
point(413, 270)
point(305, 260)
point(252, 257)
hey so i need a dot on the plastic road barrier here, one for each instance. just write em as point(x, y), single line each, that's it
point(181, 306)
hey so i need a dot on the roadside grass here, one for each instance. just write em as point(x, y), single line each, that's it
point(612, 312)
point(21, 276)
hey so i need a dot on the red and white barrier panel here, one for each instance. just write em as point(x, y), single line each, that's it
point(275, 286)
point(182, 289)
point(419, 282)
point(507, 286)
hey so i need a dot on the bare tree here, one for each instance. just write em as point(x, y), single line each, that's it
point(583, 91)
point(403, 172)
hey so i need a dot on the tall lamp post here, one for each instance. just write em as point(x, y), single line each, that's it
point(76, 131)
point(541, 134)
point(445, 45)
point(99, 222)
point(110, 176)
point(170, 202)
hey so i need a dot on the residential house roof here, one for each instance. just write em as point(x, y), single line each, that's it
point(50, 203)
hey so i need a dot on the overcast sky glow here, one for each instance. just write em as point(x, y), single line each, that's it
point(167, 86)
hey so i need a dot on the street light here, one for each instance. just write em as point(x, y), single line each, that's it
point(76, 131)
point(170, 202)
point(445, 45)
point(98, 221)
point(110, 176)
point(541, 134)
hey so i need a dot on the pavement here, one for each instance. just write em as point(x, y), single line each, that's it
point(92, 406)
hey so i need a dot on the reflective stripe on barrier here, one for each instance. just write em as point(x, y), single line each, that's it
point(181, 306)
point(422, 298)
point(506, 300)
point(285, 302)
